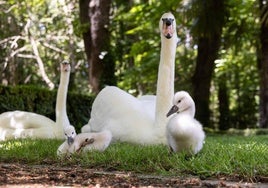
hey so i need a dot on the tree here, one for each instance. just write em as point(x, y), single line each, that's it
point(38, 33)
point(96, 14)
point(263, 64)
point(207, 28)
point(236, 77)
point(224, 103)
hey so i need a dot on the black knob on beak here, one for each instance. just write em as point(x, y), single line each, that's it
point(168, 22)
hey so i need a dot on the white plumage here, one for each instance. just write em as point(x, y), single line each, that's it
point(139, 120)
point(21, 124)
point(184, 132)
point(62, 120)
point(70, 134)
point(85, 142)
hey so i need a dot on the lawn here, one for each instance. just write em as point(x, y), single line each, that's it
point(222, 156)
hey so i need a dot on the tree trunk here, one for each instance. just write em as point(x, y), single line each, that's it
point(94, 16)
point(207, 52)
point(263, 68)
point(99, 11)
point(85, 22)
point(223, 97)
point(210, 20)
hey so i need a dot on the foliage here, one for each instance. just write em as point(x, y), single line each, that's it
point(43, 101)
point(137, 38)
point(48, 25)
point(57, 32)
point(232, 156)
point(237, 65)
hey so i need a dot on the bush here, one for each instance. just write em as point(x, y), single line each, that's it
point(43, 101)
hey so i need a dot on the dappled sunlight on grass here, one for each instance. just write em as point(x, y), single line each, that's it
point(28, 150)
point(10, 145)
point(222, 155)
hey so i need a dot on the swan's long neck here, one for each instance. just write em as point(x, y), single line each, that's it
point(165, 82)
point(61, 112)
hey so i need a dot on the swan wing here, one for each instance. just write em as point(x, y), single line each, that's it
point(149, 103)
point(128, 118)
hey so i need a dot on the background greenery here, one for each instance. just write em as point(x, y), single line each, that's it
point(135, 47)
point(43, 101)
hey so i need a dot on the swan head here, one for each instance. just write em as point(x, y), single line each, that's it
point(167, 25)
point(65, 66)
point(182, 103)
point(70, 134)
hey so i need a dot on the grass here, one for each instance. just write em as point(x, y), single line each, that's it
point(222, 155)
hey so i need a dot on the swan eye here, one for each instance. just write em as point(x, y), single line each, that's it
point(179, 101)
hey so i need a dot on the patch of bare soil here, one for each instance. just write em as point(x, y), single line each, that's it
point(20, 175)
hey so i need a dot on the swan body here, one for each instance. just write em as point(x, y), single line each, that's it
point(117, 120)
point(184, 133)
point(139, 120)
point(22, 124)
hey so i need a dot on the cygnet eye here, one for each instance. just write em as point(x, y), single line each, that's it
point(72, 132)
point(179, 101)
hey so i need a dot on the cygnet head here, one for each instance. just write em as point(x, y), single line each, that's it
point(182, 103)
point(167, 25)
point(70, 134)
point(65, 66)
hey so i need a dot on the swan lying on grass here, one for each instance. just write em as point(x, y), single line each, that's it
point(85, 142)
point(91, 141)
point(184, 132)
point(139, 120)
point(22, 124)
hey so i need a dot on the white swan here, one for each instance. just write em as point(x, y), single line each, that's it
point(140, 120)
point(184, 132)
point(85, 142)
point(21, 124)
point(62, 120)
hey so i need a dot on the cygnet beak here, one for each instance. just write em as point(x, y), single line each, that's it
point(173, 110)
point(70, 140)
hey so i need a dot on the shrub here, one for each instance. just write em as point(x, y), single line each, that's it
point(43, 101)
